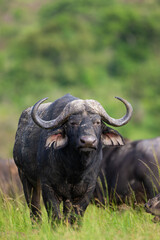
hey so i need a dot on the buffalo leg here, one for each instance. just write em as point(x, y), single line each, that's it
point(27, 188)
point(67, 206)
point(32, 195)
point(35, 202)
point(79, 208)
point(51, 202)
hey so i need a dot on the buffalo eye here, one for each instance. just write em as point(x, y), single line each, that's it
point(98, 122)
point(73, 123)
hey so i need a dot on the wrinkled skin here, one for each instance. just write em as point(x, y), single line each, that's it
point(131, 172)
point(63, 162)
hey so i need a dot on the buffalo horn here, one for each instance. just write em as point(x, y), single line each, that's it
point(79, 106)
point(106, 118)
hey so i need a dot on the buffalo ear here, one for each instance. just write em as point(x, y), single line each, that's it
point(58, 140)
point(111, 137)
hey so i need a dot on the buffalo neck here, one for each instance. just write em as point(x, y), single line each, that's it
point(76, 161)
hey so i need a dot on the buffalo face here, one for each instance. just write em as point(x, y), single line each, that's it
point(84, 132)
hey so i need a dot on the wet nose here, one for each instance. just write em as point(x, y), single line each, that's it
point(88, 141)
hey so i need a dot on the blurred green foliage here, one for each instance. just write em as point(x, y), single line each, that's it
point(90, 48)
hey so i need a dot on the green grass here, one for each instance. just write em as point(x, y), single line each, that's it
point(98, 223)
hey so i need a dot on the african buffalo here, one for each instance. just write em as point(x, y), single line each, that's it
point(129, 171)
point(153, 207)
point(62, 153)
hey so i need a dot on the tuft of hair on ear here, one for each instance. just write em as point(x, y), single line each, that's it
point(112, 137)
point(58, 140)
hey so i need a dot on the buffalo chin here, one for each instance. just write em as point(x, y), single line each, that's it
point(87, 149)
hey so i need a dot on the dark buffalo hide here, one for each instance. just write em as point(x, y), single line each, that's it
point(58, 148)
point(130, 172)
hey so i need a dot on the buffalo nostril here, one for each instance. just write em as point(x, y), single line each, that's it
point(88, 141)
point(82, 140)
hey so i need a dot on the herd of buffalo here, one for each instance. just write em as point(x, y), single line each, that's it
point(66, 151)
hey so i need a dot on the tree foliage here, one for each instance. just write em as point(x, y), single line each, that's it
point(93, 48)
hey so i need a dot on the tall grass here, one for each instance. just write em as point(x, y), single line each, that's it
point(98, 223)
point(114, 222)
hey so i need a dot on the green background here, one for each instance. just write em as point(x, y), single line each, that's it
point(93, 49)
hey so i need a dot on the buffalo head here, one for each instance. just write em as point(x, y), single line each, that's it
point(153, 206)
point(81, 125)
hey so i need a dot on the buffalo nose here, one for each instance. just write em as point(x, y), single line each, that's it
point(88, 141)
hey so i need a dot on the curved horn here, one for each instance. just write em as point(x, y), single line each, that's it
point(71, 108)
point(77, 106)
point(34, 113)
point(106, 118)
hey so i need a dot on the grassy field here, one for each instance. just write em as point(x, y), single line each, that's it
point(91, 49)
point(98, 223)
